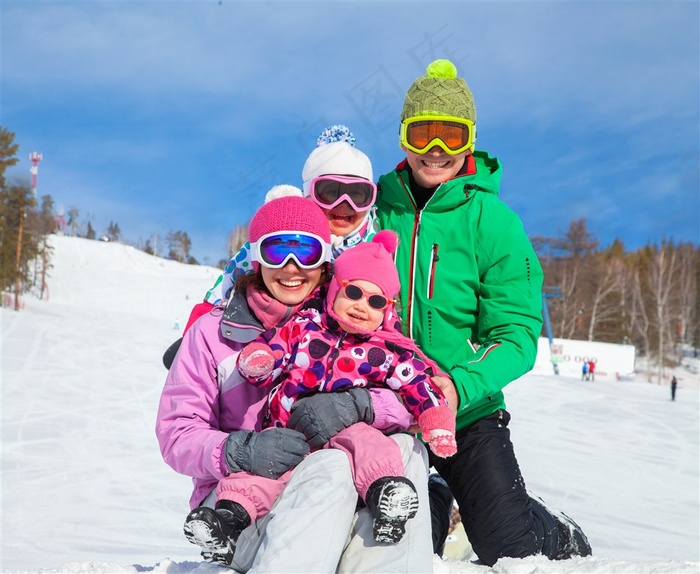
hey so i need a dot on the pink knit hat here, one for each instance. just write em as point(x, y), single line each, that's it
point(290, 213)
point(371, 261)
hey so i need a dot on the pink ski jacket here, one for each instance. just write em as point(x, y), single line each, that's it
point(205, 398)
point(321, 357)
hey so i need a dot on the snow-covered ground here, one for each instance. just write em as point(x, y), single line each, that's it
point(84, 488)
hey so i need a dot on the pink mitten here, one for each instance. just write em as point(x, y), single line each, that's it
point(437, 425)
point(257, 360)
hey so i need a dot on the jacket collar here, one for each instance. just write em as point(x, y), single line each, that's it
point(395, 186)
point(341, 243)
point(238, 322)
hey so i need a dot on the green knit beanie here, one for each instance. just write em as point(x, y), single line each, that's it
point(439, 92)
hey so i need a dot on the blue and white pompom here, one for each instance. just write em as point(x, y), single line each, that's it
point(336, 133)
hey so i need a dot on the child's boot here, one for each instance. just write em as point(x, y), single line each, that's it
point(392, 500)
point(216, 531)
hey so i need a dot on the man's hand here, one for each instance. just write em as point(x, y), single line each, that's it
point(447, 386)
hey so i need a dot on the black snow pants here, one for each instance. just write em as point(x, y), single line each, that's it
point(498, 515)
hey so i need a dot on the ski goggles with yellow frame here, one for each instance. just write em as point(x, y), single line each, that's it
point(421, 133)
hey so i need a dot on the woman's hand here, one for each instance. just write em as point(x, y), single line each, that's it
point(323, 415)
point(269, 453)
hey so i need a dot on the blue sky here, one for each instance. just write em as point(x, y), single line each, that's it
point(167, 116)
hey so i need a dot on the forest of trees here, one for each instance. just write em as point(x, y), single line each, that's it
point(647, 298)
point(26, 221)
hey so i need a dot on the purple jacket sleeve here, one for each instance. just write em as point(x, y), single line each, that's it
point(389, 413)
point(187, 424)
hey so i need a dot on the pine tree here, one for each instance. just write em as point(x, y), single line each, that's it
point(17, 247)
point(8, 149)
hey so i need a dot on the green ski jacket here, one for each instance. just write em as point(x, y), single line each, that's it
point(471, 284)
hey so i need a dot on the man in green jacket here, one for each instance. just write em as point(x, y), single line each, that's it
point(471, 298)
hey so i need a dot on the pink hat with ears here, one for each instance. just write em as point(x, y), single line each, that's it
point(371, 261)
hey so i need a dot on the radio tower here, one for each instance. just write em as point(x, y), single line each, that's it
point(35, 157)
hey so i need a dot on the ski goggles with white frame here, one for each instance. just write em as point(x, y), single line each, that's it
point(421, 133)
point(274, 250)
point(327, 191)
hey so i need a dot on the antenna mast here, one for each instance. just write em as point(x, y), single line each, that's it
point(35, 157)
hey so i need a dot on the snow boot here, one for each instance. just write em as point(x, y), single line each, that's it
point(216, 531)
point(441, 504)
point(571, 541)
point(392, 500)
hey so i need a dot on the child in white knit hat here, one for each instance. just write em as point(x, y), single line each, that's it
point(338, 178)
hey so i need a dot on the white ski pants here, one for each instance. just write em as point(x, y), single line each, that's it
point(313, 526)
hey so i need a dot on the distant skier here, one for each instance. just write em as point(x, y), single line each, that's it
point(674, 386)
point(584, 371)
point(591, 370)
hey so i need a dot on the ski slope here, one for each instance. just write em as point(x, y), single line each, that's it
point(84, 488)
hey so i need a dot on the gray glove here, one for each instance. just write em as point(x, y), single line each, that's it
point(323, 415)
point(269, 453)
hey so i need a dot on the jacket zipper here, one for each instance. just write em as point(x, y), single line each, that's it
point(412, 272)
point(331, 361)
point(411, 263)
point(414, 255)
point(434, 258)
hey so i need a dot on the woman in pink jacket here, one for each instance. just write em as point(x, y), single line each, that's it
point(354, 340)
point(210, 420)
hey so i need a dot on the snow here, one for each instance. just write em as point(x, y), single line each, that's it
point(84, 488)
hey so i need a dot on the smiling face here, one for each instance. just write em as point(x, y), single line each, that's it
point(358, 316)
point(434, 167)
point(343, 219)
point(290, 284)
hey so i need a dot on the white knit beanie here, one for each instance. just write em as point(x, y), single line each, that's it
point(336, 154)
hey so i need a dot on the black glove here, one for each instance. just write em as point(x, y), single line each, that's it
point(323, 415)
point(269, 453)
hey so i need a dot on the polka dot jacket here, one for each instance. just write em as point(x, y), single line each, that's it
point(321, 357)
